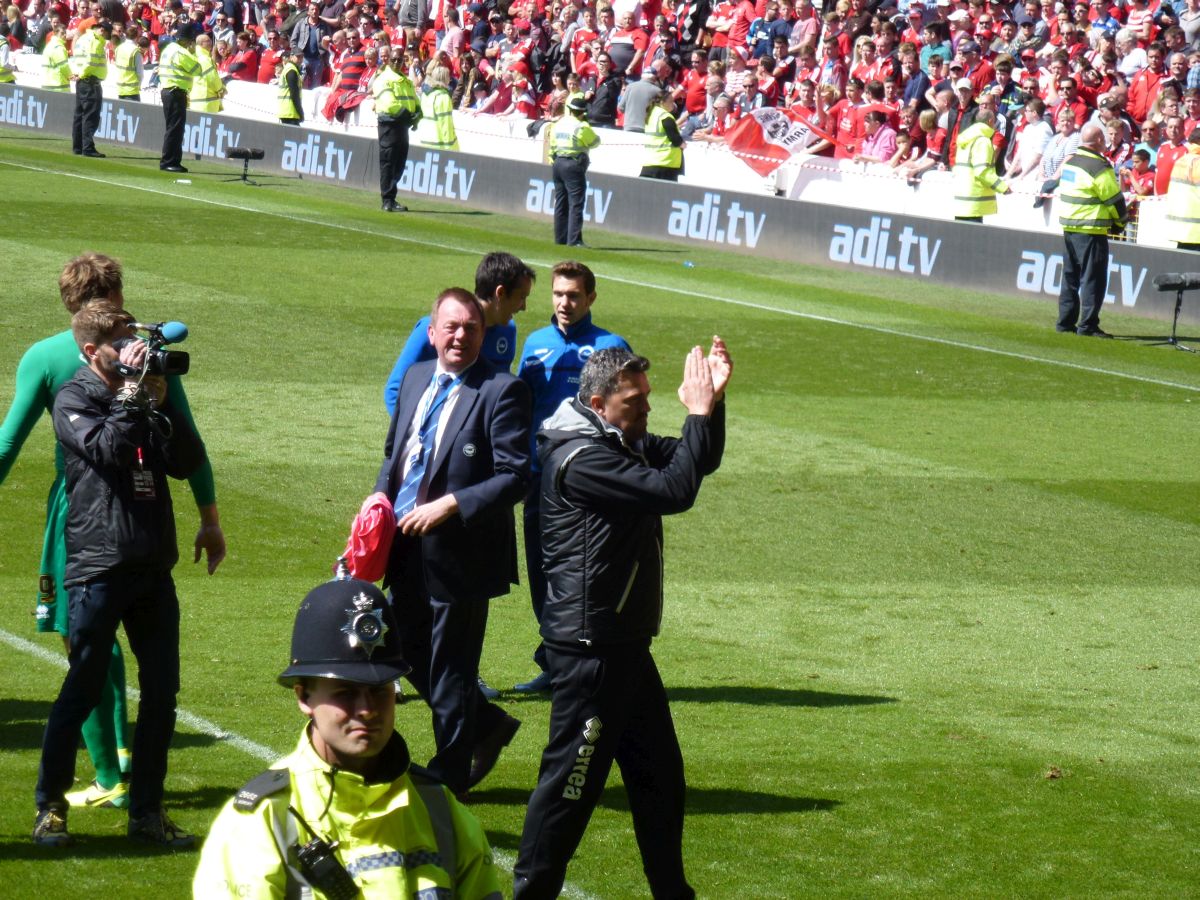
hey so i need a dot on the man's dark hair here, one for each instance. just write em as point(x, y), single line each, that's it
point(573, 269)
point(601, 375)
point(500, 270)
point(97, 322)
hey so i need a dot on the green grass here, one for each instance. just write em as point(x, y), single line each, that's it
point(926, 579)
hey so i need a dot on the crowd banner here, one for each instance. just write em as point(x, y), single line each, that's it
point(975, 257)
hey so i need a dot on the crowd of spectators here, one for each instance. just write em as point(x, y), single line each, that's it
point(890, 83)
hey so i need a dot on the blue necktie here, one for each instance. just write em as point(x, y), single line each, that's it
point(406, 497)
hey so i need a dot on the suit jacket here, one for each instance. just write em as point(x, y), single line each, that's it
point(483, 459)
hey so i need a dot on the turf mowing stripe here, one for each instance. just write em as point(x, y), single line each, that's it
point(814, 317)
point(506, 861)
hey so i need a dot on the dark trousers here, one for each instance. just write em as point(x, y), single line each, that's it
point(570, 194)
point(608, 705)
point(146, 604)
point(533, 561)
point(1185, 246)
point(393, 155)
point(661, 173)
point(174, 104)
point(442, 639)
point(1084, 281)
point(88, 99)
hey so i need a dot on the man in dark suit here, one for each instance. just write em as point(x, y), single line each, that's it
point(456, 460)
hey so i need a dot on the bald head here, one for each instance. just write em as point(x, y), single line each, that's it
point(1092, 137)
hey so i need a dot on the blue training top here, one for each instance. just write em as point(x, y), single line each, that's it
point(499, 348)
point(551, 362)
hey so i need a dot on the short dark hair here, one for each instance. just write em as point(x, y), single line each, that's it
point(573, 269)
point(500, 270)
point(97, 321)
point(601, 375)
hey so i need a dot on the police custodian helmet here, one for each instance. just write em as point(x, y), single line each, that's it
point(344, 629)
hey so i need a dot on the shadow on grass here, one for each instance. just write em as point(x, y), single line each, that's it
point(22, 723)
point(85, 846)
point(768, 696)
point(210, 797)
point(700, 801)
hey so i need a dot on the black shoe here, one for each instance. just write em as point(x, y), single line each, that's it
point(538, 685)
point(488, 750)
point(1094, 332)
point(50, 828)
point(489, 693)
point(156, 828)
point(180, 169)
point(393, 206)
point(93, 154)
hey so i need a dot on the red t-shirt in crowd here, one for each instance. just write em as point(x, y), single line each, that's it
point(1167, 154)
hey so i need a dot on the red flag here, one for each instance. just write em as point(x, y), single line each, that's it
point(370, 539)
point(766, 138)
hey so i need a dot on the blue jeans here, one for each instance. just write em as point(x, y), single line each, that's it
point(147, 605)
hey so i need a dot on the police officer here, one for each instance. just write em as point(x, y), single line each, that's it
point(207, 88)
point(1092, 205)
point(89, 66)
point(397, 110)
point(177, 69)
point(56, 70)
point(291, 103)
point(976, 182)
point(346, 814)
point(1183, 197)
point(571, 139)
point(437, 107)
point(127, 59)
point(663, 154)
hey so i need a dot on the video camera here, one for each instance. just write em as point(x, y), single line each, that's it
point(158, 361)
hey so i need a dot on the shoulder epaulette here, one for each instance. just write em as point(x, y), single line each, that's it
point(422, 774)
point(252, 793)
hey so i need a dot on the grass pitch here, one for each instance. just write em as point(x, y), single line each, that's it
point(931, 630)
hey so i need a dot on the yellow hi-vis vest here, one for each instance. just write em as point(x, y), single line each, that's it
point(975, 178)
point(1183, 198)
point(394, 93)
point(571, 137)
point(205, 92)
point(125, 58)
point(177, 67)
point(56, 73)
point(438, 108)
point(398, 839)
point(6, 72)
point(1089, 198)
point(660, 151)
point(287, 109)
point(88, 58)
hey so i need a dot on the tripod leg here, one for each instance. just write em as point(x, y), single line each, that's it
point(1175, 321)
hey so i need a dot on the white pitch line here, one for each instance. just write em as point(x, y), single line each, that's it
point(505, 860)
point(814, 317)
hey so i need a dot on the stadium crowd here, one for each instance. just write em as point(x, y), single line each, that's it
point(1045, 67)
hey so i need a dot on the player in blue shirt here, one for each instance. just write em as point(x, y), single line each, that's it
point(551, 361)
point(502, 284)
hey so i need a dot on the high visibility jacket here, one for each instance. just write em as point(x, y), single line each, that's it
point(572, 137)
point(394, 94)
point(88, 57)
point(1089, 197)
point(205, 92)
point(1183, 198)
point(975, 178)
point(438, 108)
point(400, 838)
point(659, 150)
point(125, 58)
point(6, 69)
point(177, 67)
point(56, 73)
point(287, 107)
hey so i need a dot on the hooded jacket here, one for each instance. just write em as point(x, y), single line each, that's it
point(602, 504)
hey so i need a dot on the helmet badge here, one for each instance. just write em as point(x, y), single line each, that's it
point(365, 626)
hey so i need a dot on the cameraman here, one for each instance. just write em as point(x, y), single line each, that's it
point(119, 449)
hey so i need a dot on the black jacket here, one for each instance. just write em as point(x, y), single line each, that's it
point(602, 504)
point(603, 108)
point(111, 526)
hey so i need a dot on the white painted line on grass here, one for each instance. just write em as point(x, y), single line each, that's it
point(814, 317)
point(505, 860)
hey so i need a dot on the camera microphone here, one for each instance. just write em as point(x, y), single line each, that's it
point(168, 332)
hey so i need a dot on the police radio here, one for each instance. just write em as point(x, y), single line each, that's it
point(320, 867)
